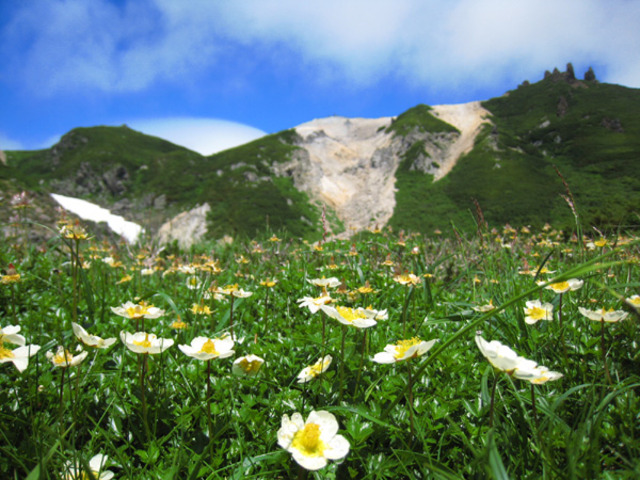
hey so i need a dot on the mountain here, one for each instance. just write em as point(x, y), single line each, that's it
point(509, 159)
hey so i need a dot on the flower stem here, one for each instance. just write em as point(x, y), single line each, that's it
point(604, 352)
point(344, 334)
point(411, 423)
point(493, 398)
point(143, 398)
point(231, 317)
point(533, 407)
point(364, 346)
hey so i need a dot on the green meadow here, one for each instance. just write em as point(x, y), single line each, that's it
point(233, 334)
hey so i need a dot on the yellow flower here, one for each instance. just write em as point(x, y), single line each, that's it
point(609, 316)
point(535, 310)
point(634, 301)
point(142, 342)
point(247, 365)
point(269, 283)
point(312, 371)
point(19, 356)
point(91, 340)
point(203, 348)
point(314, 304)
point(403, 350)
point(407, 279)
point(565, 286)
point(178, 324)
point(10, 335)
point(125, 279)
point(356, 317)
point(63, 358)
point(331, 282)
point(73, 232)
point(505, 359)
point(485, 308)
point(137, 310)
point(200, 309)
point(96, 465)
point(313, 442)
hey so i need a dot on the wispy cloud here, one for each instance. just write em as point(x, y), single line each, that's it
point(97, 45)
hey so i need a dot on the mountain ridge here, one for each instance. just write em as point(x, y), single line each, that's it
point(405, 172)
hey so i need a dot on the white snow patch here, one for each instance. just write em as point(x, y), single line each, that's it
point(95, 213)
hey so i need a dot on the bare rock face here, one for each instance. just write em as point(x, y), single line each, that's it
point(187, 227)
point(349, 164)
point(3, 158)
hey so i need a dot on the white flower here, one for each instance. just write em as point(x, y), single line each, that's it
point(91, 340)
point(407, 279)
point(536, 310)
point(313, 442)
point(609, 316)
point(203, 348)
point(563, 287)
point(634, 301)
point(403, 350)
point(312, 371)
point(356, 317)
point(331, 282)
point(193, 283)
point(484, 308)
point(314, 304)
point(63, 358)
point(19, 356)
point(96, 465)
point(247, 365)
point(137, 310)
point(10, 334)
point(505, 359)
point(142, 342)
point(537, 374)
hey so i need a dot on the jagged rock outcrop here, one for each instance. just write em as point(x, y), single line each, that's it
point(3, 158)
point(186, 228)
point(589, 75)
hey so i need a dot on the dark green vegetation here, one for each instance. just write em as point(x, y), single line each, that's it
point(587, 132)
point(447, 414)
point(419, 118)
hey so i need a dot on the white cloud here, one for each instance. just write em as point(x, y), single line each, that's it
point(73, 43)
point(202, 135)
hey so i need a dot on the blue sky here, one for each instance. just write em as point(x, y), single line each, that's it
point(211, 74)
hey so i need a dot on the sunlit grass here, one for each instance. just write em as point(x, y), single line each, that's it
point(258, 320)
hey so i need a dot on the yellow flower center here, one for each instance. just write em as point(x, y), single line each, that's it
point(62, 358)
point(317, 368)
point(249, 367)
point(5, 352)
point(537, 313)
point(209, 347)
point(137, 311)
point(560, 286)
point(403, 345)
point(308, 442)
point(144, 343)
point(6, 279)
point(350, 314)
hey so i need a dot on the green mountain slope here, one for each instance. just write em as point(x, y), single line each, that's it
point(587, 131)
